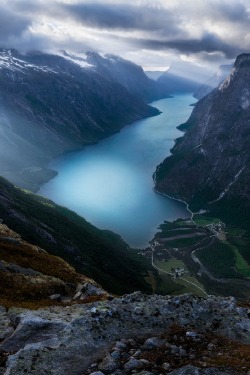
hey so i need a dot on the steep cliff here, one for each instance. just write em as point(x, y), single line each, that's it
point(210, 167)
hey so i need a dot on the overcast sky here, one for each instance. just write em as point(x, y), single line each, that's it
point(152, 33)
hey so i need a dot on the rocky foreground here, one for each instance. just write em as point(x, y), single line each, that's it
point(132, 334)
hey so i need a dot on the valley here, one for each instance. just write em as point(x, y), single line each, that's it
point(110, 183)
point(124, 187)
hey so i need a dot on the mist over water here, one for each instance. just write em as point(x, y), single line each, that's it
point(110, 184)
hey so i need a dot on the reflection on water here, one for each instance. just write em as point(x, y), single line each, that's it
point(110, 184)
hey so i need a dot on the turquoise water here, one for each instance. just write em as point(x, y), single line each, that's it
point(110, 183)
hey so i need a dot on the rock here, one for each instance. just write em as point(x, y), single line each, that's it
point(116, 355)
point(182, 352)
point(137, 353)
point(132, 364)
point(31, 330)
point(191, 370)
point(59, 338)
point(92, 290)
point(77, 296)
point(97, 373)
point(6, 328)
point(144, 361)
point(153, 342)
point(166, 366)
point(120, 345)
point(55, 297)
point(108, 364)
point(191, 334)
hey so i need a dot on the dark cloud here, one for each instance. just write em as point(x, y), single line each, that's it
point(124, 17)
point(208, 43)
point(11, 23)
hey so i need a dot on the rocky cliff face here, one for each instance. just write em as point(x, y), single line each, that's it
point(50, 104)
point(213, 82)
point(132, 334)
point(210, 165)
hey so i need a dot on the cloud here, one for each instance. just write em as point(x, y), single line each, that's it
point(213, 30)
point(12, 24)
point(123, 16)
point(208, 43)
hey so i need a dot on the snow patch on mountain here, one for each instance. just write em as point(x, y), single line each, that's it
point(79, 58)
point(8, 61)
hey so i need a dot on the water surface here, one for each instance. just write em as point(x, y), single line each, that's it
point(110, 184)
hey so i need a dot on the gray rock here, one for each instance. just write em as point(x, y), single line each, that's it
point(182, 352)
point(31, 330)
point(191, 370)
point(166, 366)
point(191, 334)
point(92, 290)
point(14, 268)
point(132, 364)
point(6, 328)
point(109, 364)
point(153, 342)
point(120, 345)
point(97, 373)
point(56, 339)
point(137, 353)
point(56, 297)
point(116, 355)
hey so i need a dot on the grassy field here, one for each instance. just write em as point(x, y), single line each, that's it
point(241, 265)
point(219, 258)
point(185, 280)
point(184, 242)
point(204, 220)
point(189, 288)
point(172, 263)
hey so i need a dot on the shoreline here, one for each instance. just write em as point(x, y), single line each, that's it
point(176, 199)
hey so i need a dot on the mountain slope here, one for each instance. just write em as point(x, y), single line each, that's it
point(101, 255)
point(51, 104)
point(210, 165)
point(30, 277)
point(213, 82)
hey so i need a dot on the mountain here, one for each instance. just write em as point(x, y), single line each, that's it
point(153, 74)
point(50, 104)
point(210, 165)
point(171, 83)
point(128, 74)
point(182, 76)
point(99, 254)
point(213, 82)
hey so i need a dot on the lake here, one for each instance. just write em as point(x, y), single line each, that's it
point(110, 183)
